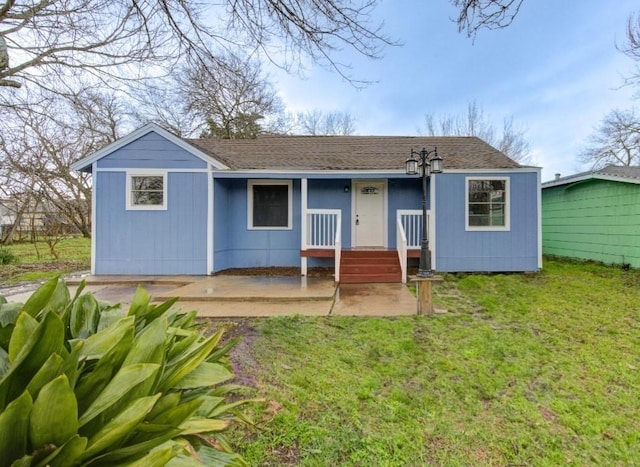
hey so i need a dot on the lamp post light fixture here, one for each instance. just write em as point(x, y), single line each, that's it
point(424, 163)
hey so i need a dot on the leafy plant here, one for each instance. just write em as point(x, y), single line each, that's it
point(7, 257)
point(84, 383)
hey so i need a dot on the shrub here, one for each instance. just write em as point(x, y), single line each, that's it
point(84, 383)
point(6, 257)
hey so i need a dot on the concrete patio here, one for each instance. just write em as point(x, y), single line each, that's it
point(254, 296)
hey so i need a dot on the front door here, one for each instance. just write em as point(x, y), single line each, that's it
point(369, 214)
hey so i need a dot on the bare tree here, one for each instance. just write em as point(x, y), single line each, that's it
point(511, 140)
point(616, 141)
point(485, 14)
point(317, 122)
point(231, 97)
point(47, 43)
point(37, 146)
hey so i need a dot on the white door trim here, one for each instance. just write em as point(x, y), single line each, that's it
point(385, 204)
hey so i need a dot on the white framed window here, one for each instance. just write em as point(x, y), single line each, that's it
point(487, 203)
point(147, 190)
point(270, 204)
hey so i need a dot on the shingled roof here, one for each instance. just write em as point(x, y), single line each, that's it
point(349, 152)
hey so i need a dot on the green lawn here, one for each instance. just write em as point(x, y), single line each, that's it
point(35, 262)
point(524, 370)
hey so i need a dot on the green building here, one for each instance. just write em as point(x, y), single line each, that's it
point(593, 216)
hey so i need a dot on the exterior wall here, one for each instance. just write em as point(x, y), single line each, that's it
point(459, 250)
point(236, 246)
point(404, 193)
point(595, 220)
point(171, 241)
point(151, 151)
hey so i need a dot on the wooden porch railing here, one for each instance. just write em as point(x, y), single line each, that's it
point(324, 232)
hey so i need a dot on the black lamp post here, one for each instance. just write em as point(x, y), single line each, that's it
point(424, 163)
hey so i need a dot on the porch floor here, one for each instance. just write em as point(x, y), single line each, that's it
point(253, 296)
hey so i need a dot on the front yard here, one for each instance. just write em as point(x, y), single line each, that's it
point(34, 261)
point(523, 370)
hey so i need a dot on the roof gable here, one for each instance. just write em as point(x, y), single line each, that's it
point(86, 162)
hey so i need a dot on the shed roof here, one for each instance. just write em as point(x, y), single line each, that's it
point(349, 152)
point(616, 173)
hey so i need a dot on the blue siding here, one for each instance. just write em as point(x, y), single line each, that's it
point(152, 242)
point(473, 251)
point(330, 194)
point(403, 194)
point(238, 247)
point(149, 152)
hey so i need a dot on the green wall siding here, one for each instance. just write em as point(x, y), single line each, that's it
point(596, 219)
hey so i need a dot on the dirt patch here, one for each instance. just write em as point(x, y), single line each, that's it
point(276, 271)
point(241, 355)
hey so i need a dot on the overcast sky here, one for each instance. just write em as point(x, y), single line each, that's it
point(555, 70)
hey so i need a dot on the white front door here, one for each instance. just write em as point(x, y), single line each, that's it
point(369, 214)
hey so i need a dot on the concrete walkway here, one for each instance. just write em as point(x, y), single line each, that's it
point(254, 296)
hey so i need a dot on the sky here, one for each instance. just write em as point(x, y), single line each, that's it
point(555, 70)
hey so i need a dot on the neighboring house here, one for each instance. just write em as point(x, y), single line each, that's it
point(593, 215)
point(166, 205)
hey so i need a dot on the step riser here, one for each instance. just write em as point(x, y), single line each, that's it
point(367, 266)
point(355, 269)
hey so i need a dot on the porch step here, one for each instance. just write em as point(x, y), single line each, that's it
point(369, 266)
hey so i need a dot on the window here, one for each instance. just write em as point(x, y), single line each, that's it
point(147, 191)
point(487, 203)
point(270, 204)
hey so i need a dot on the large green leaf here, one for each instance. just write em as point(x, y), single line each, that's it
point(205, 374)
point(26, 325)
point(84, 318)
point(14, 426)
point(66, 455)
point(166, 402)
point(135, 449)
point(39, 299)
point(54, 417)
point(127, 378)
point(9, 313)
point(92, 383)
point(4, 362)
point(148, 346)
point(185, 364)
point(179, 414)
point(156, 458)
point(58, 300)
point(210, 457)
point(140, 302)
point(46, 339)
point(114, 432)
point(47, 372)
point(203, 425)
point(97, 345)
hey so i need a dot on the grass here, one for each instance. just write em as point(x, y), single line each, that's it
point(524, 370)
point(74, 255)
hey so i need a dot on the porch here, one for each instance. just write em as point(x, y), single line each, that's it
point(321, 238)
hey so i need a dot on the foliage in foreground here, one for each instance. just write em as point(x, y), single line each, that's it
point(84, 383)
point(537, 369)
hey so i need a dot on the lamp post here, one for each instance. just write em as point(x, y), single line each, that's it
point(424, 163)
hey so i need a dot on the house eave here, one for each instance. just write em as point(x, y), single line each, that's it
point(586, 177)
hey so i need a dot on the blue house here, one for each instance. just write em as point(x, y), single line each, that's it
point(163, 205)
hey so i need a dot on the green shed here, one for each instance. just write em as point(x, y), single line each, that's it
point(593, 216)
